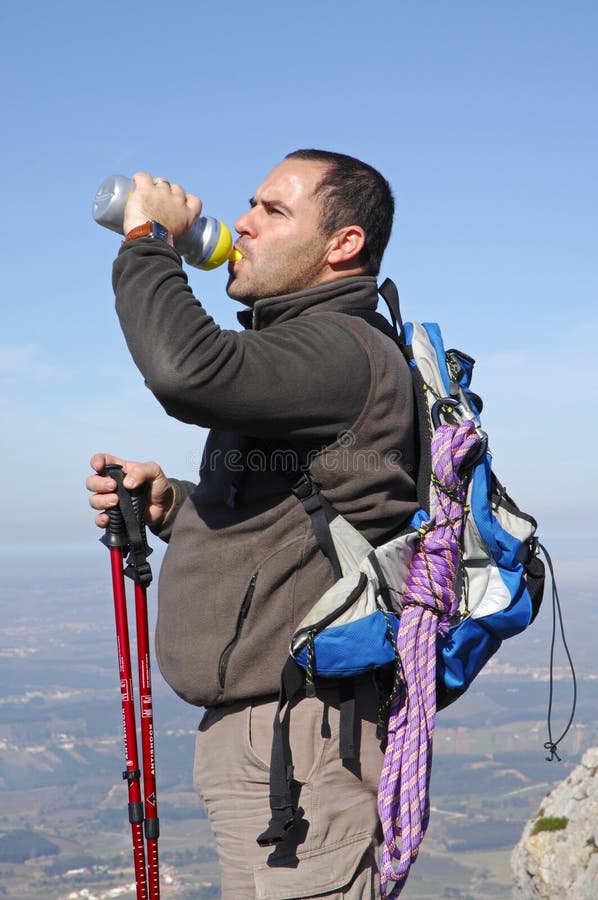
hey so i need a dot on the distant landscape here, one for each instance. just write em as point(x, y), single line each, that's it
point(64, 831)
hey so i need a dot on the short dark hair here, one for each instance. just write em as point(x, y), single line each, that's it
point(353, 193)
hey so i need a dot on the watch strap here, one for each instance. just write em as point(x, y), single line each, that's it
point(149, 229)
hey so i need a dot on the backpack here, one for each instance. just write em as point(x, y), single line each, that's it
point(424, 611)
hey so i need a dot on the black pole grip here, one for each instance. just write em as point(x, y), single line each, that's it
point(126, 527)
point(116, 531)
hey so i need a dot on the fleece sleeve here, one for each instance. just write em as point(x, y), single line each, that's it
point(302, 380)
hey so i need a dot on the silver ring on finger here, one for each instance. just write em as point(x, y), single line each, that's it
point(161, 181)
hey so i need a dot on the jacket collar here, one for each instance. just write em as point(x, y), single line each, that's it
point(357, 292)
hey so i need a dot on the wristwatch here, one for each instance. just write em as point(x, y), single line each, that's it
point(148, 229)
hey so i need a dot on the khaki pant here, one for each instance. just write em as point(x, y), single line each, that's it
point(332, 853)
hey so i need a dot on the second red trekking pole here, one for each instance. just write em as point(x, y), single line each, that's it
point(125, 534)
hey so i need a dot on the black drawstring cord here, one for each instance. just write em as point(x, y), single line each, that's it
point(550, 744)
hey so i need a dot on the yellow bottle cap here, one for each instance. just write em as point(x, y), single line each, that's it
point(235, 255)
point(223, 248)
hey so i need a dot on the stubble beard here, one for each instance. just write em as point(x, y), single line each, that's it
point(273, 278)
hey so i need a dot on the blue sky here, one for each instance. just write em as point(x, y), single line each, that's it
point(481, 115)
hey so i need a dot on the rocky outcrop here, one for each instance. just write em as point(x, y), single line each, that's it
point(557, 856)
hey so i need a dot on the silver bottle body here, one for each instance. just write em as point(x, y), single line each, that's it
point(197, 244)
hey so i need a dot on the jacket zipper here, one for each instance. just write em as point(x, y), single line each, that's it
point(244, 609)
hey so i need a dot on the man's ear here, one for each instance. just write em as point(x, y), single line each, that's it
point(345, 245)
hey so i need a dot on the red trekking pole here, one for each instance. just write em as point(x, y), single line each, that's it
point(126, 534)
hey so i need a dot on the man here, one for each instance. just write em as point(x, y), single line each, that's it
point(243, 565)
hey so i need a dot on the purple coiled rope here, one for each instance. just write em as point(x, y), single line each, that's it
point(429, 600)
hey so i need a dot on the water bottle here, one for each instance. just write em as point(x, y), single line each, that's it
point(206, 245)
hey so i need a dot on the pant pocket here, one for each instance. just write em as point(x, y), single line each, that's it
point(258, 732)
point(327, 872)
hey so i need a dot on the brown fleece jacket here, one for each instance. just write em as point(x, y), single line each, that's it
point(304, 380)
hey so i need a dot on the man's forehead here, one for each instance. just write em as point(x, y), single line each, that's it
point(294, 177)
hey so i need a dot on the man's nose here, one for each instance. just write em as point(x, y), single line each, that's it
point(245, 224)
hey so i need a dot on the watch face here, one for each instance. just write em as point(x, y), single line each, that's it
point(158, 231)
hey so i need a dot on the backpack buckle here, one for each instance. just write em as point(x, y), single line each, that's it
point(304, 486)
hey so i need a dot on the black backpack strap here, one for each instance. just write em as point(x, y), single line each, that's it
point(347, 748)
point(285, 811)
point(390, 294)
point(377, 321)
point(317, 507)
point(284, 790)
point(321, 514)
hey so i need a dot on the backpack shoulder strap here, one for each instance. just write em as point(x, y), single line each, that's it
point(390, 294)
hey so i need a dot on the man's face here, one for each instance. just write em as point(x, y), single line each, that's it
point(280, 238)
